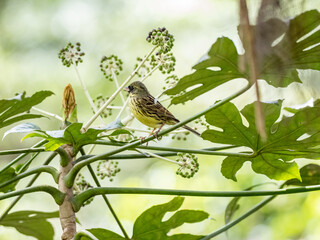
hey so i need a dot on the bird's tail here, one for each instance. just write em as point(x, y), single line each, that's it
point(191, 130)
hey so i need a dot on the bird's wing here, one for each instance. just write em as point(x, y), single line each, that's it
point(155, 108)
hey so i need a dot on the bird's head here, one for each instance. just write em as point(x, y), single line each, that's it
point(137, 88)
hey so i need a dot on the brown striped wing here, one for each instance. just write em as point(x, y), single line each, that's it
point(151, 112)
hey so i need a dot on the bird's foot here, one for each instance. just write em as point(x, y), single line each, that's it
point(141, 139)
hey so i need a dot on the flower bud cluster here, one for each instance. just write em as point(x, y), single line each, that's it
point(81, 185)
point(188, 165)
point(71, 54)
point(109, 64)
point(107, 168)
point(166, 62)
point(99, 101)
point(162, 38)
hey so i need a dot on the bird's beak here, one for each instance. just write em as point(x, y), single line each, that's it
point(126, 89)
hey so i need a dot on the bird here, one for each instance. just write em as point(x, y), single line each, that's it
point(149, 111)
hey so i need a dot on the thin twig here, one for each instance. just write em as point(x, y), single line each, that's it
point(115, 79)
point(86, 92)
point(48, 113)
point(157, 156)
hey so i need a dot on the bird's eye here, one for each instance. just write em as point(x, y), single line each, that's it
point(130, 88)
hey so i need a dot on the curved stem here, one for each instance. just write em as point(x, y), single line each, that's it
point(82, 197)
point(70, 177)
point(49, 159)
point(64, 157)
point(55, 193)
point(54, 173)
point(39, 144)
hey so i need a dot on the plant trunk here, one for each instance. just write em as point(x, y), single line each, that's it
point(66, 212)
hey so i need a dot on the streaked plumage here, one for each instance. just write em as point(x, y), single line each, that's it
point(149, 110)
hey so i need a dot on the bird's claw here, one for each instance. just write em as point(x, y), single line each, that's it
point(141, 139)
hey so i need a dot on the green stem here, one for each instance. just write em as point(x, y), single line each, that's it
point(5, 213)
point(127, 156)
point(64, 157)
point(24, 150)
point(242, 217)
point(208, 151)
point(106, 200)
point(48, 169)
point(55, 193)
point(239, 219)
point(25, 166)
point(82, 197)
point(70, 177)
point(39, 144)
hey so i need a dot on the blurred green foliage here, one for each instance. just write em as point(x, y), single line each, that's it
point(32, 33)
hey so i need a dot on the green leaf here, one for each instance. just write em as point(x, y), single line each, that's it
point(100, 234)
point(233, 205)
point(120, 131)
point(5, 176)
point(231, 165)
point(222, 55)
point(22, 128)
point(310, 175)
point(292, 53)
point(14, 110)
point(70, 135)
point(279, 62)
point(149, 225)
point(31, 223)
point(290, 138)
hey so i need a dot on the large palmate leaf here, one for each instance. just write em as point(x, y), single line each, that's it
point(150, 224)
point(298, 49)
point(222, 55)
point(16, 109)
point(292, 137)
point(31, 223)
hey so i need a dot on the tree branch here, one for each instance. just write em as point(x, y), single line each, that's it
point(55, 193)
point(54, 173)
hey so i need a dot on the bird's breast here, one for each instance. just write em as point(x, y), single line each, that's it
point(141, 112)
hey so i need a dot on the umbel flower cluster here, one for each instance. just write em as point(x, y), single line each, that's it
point(71, 54)
point(107, 168)
point(161, 37)
point(110, 65)
point(81, 185)
point(99, 101)
point(188, 165)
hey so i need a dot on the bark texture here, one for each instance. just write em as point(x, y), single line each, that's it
point(67, 214)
